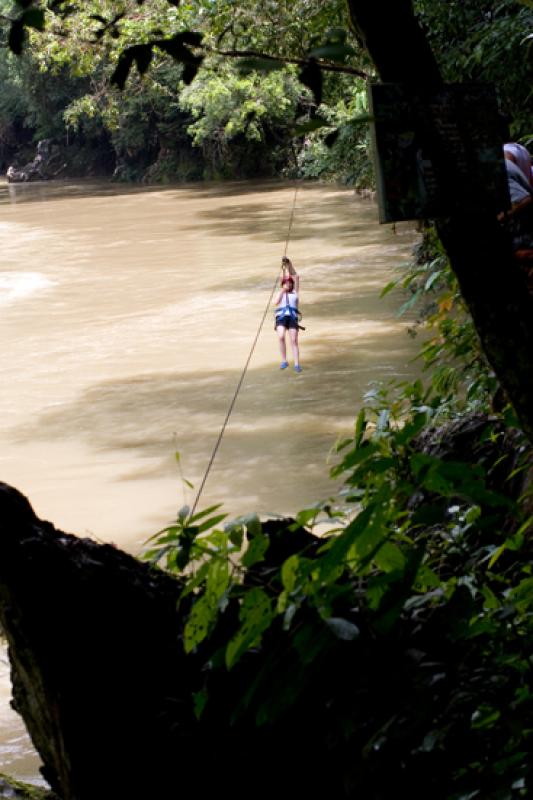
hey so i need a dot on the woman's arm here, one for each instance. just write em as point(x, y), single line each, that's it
point(296, 279)
point(294, 275)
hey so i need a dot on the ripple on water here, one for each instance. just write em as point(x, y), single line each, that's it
point(19, 285)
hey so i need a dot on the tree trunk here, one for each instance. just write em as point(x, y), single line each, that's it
point(480, 252)
point(97, 666)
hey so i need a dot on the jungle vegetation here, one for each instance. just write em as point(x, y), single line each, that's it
point(187, 111)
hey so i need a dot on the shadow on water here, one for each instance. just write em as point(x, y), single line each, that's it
point(44, 191)
point(277, 415)
point(262, 220)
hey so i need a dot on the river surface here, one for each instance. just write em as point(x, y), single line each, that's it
point(127, 315)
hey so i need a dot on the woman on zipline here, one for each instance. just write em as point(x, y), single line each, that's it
point(287, 313)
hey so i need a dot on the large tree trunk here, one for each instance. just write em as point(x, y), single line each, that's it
point(480, 252)
point(95, 656)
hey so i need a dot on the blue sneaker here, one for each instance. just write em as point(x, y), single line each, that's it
point(297, 368)
point(284, 365)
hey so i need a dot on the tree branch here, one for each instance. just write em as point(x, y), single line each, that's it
point(327, 66)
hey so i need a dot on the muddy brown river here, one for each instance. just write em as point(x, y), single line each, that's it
point(127, 315)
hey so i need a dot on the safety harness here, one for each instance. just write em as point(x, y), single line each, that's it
point(289, 311)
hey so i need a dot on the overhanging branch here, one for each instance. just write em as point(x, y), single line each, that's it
point(327, 66)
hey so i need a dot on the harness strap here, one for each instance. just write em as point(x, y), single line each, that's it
point(288, 310)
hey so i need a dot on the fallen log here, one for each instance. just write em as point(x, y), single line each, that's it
point(46, 165)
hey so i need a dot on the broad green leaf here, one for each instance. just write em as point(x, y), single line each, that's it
point(253, 524)
point(491, 601)
point(338, 552)
point(236, 535)
point(198, 625)
point(305, 516)
point(413, 300)
point(256, 550)
point(156, 554)
point(256, 614)
point(199, 702)
point(196, 580)
point(288, 617)
point(201, 514)
point(411, 429)
point(355, 457)
point(426, 579)
point(485, 717)
point(390, 558)
point(211, 522)
point(388, 288)
point(289, 572)
point(360, 427)
point(522, 595)
point(217, 579)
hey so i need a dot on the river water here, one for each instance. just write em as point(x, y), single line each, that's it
point(127, 315)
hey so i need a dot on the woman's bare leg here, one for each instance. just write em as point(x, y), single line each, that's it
point(282, 330)
point(293, 333)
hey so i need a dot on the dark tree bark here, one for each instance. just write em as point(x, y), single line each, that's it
point(95, 657)
point(491, 281)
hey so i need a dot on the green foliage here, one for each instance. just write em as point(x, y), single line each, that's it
point(92, 47)
point(485, 40)
point(338, 148)
point(9, 787)
point(239, 118)
point(426, 556)
point(451, 350)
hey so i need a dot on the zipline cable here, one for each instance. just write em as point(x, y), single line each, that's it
point(243, 373)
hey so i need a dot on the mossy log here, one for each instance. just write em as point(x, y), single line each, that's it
point(11, 789)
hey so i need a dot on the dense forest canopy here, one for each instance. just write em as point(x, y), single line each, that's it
point(191, 108)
